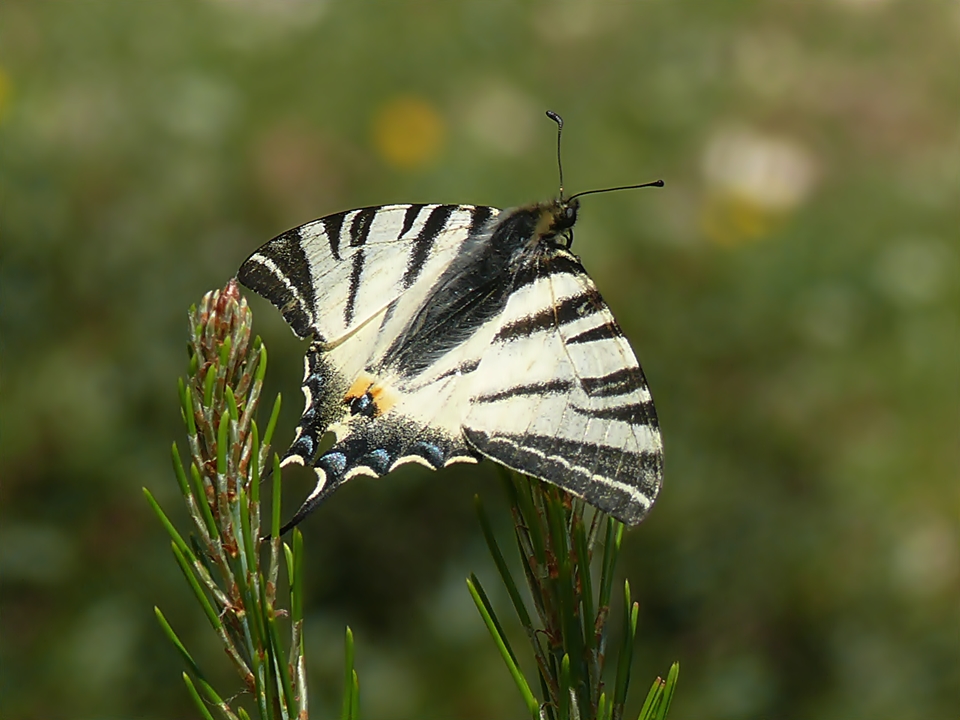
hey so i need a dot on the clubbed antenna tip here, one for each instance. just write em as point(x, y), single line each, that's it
point(559, 121)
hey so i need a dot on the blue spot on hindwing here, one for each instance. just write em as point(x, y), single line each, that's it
point(334, 463)
point(429, 452)
point(303, 446)
point(378, 461)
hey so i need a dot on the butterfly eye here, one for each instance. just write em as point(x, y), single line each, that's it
point(566, 218)
point(570, 211)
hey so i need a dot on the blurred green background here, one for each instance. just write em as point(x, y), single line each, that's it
point(792, 294)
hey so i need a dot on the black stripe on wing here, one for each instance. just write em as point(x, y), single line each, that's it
point(620, 382)
point(480, 215)
point(410, 216)
point(542, 388)
point(641, 413)
point(423, 243)
point(356, 271)
point(559, 262)
point(608, 330)
point(360, 225)
point(359, 232)
point(288, 284)
point(332, 226)
point(566, 311)
point(464, 368)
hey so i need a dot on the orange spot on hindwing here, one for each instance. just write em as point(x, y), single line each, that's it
point(367, 397)
point(359, 387)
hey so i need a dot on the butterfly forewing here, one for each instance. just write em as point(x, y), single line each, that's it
point(331, 275)
point(560, 396)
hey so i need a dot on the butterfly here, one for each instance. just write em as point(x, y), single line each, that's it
point(445, 334)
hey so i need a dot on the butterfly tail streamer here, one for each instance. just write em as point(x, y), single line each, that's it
point(329, 468)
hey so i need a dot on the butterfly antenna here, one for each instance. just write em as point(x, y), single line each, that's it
point(559, 121)
point(655, 183)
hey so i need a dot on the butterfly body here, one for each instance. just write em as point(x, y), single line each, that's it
point(450, 333)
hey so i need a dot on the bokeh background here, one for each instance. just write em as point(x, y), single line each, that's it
point(792, 293)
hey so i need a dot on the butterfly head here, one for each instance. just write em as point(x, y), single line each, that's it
point(556, 222)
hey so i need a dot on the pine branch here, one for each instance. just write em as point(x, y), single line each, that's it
point(556, 536)
point(233, 577)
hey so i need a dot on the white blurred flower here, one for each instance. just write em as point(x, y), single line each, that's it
point(771, 172)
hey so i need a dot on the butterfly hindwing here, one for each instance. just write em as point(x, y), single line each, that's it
point(379, 423)
point(560, 396)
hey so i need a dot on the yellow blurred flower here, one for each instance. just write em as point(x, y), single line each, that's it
point(408, 132)
point(728, 219)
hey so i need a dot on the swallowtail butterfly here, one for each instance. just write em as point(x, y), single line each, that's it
point(451, 333)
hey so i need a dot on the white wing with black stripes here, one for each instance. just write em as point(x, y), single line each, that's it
point(560, 396)
point(332, 274)
point(446, 334)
